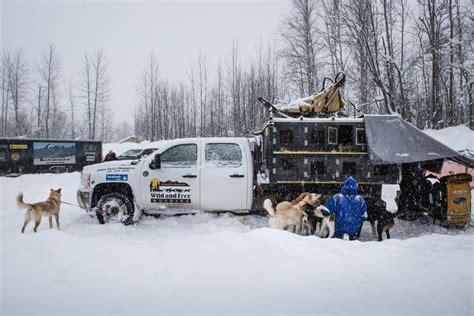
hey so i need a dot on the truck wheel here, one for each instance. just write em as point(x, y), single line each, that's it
point(115, 206)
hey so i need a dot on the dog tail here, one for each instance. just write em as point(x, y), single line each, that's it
point(20, 203)
point(268, 206)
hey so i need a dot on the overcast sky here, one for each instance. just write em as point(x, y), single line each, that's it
point(128, 32)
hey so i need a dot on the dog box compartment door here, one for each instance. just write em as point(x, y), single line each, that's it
point(459, 198)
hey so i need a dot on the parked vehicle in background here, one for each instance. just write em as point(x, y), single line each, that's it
point(139, 153)
point(18, 155)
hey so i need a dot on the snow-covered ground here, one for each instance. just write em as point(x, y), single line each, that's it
point(222, 264)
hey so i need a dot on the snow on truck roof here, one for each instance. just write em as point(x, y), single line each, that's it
point(320, 119)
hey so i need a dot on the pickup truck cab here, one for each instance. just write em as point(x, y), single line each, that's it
point(183, 175)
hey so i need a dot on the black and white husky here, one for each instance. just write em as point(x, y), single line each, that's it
point(327, 221)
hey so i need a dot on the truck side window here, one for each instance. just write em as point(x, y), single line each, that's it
point(180, 156)
point(286, 137)
point(317, 136)
point(223, 155)
point(317, 168)
point(332, 135)
point(349, 168)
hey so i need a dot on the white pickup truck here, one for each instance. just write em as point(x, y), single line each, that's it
point(212, 174)
point(287, 157)
point(305, 148)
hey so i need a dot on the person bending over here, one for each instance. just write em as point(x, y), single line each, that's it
point(350, 209)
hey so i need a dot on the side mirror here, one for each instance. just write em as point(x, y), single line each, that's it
point(156, 162)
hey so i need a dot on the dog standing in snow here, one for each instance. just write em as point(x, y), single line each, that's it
point(328, 221)
point(292, 216)
point(380, 218)
point(36, 211)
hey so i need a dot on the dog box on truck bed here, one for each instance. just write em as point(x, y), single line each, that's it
point(18, 155)
point(318, 154)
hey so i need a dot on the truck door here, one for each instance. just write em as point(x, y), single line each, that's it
point(175, 185)
point(224, 176)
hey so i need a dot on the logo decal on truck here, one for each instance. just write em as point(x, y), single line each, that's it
point(169, 192)
point(116, 177)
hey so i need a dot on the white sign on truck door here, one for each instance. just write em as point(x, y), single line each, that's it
point(175, 185)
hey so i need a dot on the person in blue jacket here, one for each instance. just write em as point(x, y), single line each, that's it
point(350, 209)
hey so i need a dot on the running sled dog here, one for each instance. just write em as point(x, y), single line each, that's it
point(291, 216)
point(35, 211)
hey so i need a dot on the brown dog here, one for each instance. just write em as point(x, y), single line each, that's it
point(288, 215)
point(301, 197)
point(35, 211)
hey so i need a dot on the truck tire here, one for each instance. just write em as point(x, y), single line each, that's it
point(115, 206)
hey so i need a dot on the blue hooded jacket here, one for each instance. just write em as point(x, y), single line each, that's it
point(350, 209)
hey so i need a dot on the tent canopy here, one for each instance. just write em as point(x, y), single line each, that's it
point(392, 140)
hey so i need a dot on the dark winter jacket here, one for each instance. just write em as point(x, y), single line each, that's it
point(350, 209)
point(110, 156)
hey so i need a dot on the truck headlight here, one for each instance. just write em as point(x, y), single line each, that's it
point(86, 180)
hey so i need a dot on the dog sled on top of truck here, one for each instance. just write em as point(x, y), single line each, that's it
point(308, 146)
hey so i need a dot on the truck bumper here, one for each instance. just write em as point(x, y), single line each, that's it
point(84, 199)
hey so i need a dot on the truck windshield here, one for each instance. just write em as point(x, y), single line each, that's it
point(132, 152)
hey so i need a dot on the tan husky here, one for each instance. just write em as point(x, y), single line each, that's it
point(35, 211)
point(288, 215)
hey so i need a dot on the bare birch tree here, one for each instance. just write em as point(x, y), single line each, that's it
point(5, 91)
point(432, 23)
point(332, 34)
point(100, 89)
point(72, 105)
point(299, 34)
point(148, 95)
point(94, 90)
point(18, 76)
point(234, 87)
point(49, 67)
point(85, 88)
